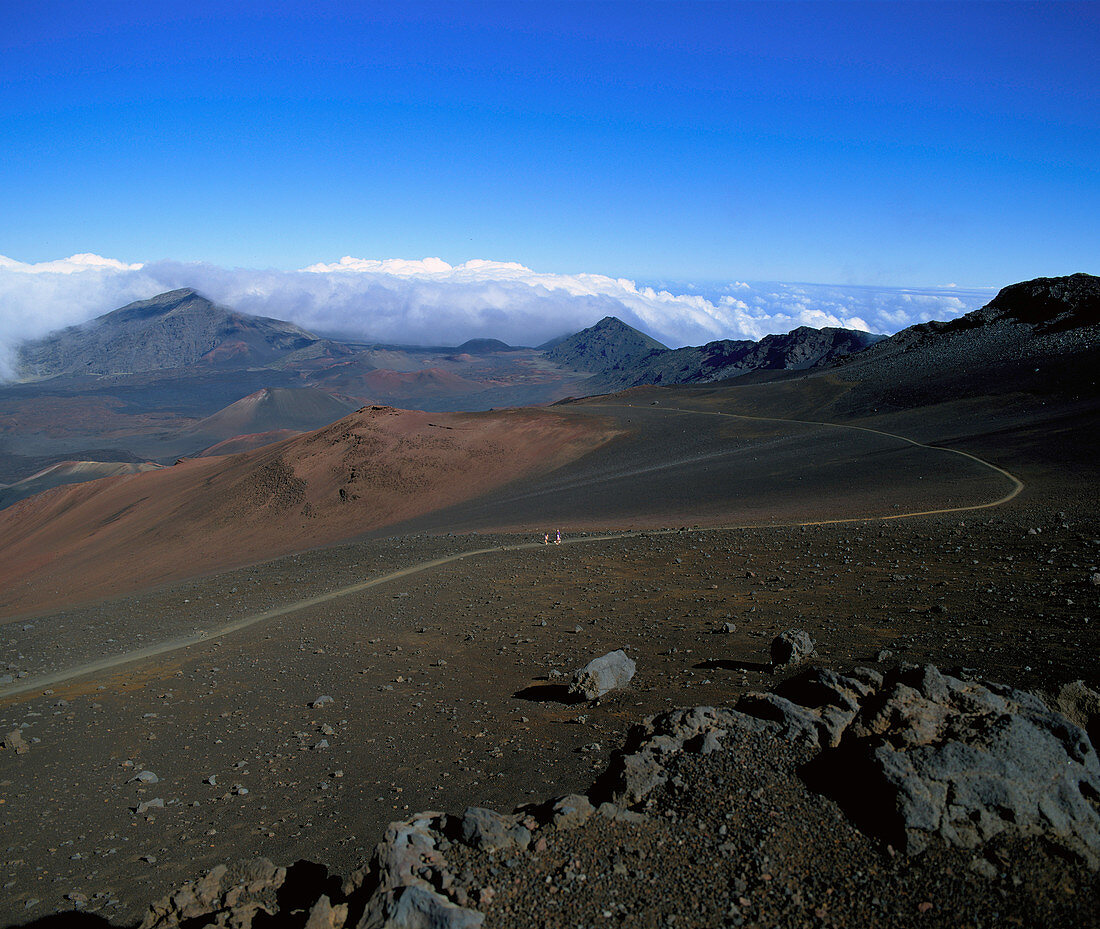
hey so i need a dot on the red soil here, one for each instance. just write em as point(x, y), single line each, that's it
point(373, 468)
point(246, 443)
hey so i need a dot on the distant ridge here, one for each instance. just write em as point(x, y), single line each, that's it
point(620, 356)
point(483, 346)
point(1040, 336)
point(1058, 302)
point(69, 472)
point(172, 330)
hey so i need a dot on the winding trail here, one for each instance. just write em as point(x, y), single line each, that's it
point(171, 645)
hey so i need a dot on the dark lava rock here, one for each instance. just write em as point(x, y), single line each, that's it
point(791, 647)
point(1058, 302)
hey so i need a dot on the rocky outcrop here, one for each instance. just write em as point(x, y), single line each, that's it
point(930, 755)
point(915, 756)
point(1055, 302)
point(227, 897)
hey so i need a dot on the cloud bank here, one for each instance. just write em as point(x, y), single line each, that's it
point(430, 302)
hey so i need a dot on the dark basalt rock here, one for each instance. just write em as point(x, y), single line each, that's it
point(791, 647)
point(1056, 302)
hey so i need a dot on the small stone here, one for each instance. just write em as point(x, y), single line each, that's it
point(144, 777)
point(571, 811)
point(157, 803)
point(14, 741)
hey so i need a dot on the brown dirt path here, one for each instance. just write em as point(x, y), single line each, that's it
point(38, 683)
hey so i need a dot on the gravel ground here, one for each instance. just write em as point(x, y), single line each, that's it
point(485, 727)
point(736, 839)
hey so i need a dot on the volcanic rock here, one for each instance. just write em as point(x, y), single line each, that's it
point(917, 756)
point(1080, 704)
point(791, 647)
point(14, 740)
point(227, 897)
point(931, 755)
point(601, 675)
point(490, 830)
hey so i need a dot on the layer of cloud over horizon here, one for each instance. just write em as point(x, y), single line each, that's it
point(430, 302)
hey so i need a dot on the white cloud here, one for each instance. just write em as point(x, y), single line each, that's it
point(71, 265)
point(428, 301)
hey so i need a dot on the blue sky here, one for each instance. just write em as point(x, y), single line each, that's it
point(886, 144)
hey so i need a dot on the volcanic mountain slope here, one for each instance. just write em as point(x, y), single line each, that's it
point(798, 350)
point(1008, 382)
point(604, 347)
point(274, 408)
point(620, 357)
point(69, 472)
point(1038, 337)
point(372, 468)
point(172, 330)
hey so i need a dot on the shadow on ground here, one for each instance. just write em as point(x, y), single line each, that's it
point(548, 693)
point(726, 664)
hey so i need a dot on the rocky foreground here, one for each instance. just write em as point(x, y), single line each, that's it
point(906, 798)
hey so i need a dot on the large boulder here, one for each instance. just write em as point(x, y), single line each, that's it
point(601, 675)
point(914, 757)
point(1080, 704)
point(791, 648)
point(490, 830)
point(931, 755)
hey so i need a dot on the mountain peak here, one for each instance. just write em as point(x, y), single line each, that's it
point(607, 345)
point(157, 306)
point(1064, 302)
point(171, 330)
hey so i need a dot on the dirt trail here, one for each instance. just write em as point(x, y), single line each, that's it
point(175, 644)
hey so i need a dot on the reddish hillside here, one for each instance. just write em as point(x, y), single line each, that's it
point(370, 469)
point(246, 443)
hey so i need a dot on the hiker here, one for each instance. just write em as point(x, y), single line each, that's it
point(546, 539)
point(557, 541)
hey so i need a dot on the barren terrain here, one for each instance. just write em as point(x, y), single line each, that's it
point(439, 675)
